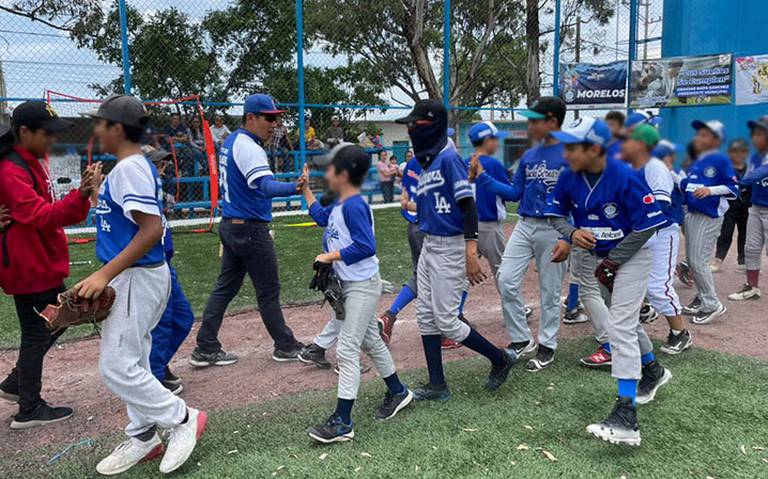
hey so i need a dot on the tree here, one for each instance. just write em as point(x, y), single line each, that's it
point(65, 15)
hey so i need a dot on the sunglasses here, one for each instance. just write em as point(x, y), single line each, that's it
point(270, 118)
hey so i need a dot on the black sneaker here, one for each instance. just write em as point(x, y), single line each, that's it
point(332, 430)
point(285, 355)
point(522, 348)
point(706, 317)
point(498, 375)
point(693, 308)
point(170, 377)
point(575, 316)
point(10, 396)
point(174, 388)
point(431, 392)
point(314, 354)
point(393, 403)
point(41, 415)
point(219, 358)
point(648, 314)
point(528, 311)
point(677, 343)
point(654, 377)
point(744, 293)
point(620, 427)
point(544, 357)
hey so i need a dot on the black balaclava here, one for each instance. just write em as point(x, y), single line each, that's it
point(428, 139)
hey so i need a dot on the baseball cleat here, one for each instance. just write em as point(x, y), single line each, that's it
point(654, 377)
point(287, 355)
point(708, 317)
point(129, 453)
point(314, 354)
point(677, 343)
point(431, 392)
point(219, 358)
point(544, 358)
point(448, 343)
point(332, 430)
point(597, 360)
point(393, 404)
point(498, 375)
point(684, 274)
point(648, 314)
point(182, 440)
point(744, 293)
point(693, 308)
point(386, 323)
point(620, 427)
point(522, 348)
point(41, 415)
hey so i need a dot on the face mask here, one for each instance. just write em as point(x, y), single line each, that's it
point(429, 140)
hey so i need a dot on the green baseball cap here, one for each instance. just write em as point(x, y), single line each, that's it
point(645, 133)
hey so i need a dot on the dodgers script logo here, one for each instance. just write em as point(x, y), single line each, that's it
point(430, 180)
point(610, 210)
point(541, 173)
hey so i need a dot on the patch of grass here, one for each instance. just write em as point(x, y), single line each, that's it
point(197, 261)
point(714, 405)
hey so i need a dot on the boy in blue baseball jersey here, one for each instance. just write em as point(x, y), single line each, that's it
point(448, 217)
point(614, 215)
point(757, 221)
point(129, 244)
point(533, 238)
point(350, 246)
point(710, 183)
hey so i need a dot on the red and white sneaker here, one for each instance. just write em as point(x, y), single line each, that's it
point(129, 453)
point(448, 343)
point(597, 360)
point(386, 323)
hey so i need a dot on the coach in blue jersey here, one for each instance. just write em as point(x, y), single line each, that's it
point(248, 187)
point(711, 182)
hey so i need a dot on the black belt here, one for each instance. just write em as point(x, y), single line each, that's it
point(240, 221)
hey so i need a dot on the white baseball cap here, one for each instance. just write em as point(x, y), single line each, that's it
point(715, 126)
point(585, 130)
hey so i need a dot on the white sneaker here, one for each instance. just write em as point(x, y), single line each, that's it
point(130, 453)
point(708, 317)
point(716, 265)
point(182, 440)
point(741, 268)
point(746, 292)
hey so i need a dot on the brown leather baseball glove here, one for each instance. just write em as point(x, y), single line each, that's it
point(72, 310)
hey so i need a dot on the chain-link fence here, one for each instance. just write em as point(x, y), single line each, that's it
point(343, 70)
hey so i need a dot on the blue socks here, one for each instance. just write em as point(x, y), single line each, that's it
point(628, 389)
point(344, 409)
point(606, 347)
point(647, 358)
point(404, 297)
point(573, 296)
point(479, 344)
point(394, 385)
point(464, 295)
point(434, 356)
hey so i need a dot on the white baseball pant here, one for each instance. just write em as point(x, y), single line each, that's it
point(661, 294)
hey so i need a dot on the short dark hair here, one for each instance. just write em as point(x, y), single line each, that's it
point(17, 129)
point(354, 160)
point(175, 114)
point(616, 116)
point(132, 133)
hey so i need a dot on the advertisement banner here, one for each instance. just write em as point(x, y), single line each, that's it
point(681, 81)
point(592, 85)
point(751, 80)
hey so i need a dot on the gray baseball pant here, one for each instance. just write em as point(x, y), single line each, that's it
point(701, 232)
point(626, 334)
point(359, 332)
point(141, 295)
point(490, 244)
point(757, 236)
point(415, 240)
point(575, 259)
point(532, 238)
point(442, 277)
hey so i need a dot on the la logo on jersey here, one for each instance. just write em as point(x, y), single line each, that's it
point(441, 204)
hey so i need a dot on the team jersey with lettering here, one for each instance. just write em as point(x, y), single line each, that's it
point(711, 169)
point(132, 185)
point(757, 178)
point(349, 230)
point(656, 176)
point(536, 177)
point(441, 186)
point(490, 206)
point(410, 184)
point(615, 205)
point(242, 161)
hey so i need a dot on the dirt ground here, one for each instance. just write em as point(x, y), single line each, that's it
point(71, 376)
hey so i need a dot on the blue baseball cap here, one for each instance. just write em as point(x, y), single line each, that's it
point(715, 126)
point(261, 104)
point(585, 130)
point(640, 117)
point(485, 129)
point(664, 148)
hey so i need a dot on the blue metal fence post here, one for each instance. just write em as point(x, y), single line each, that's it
point(447, 53)
point(127, 80)
point(632, 54)
point(556, 59)
point(300, 75)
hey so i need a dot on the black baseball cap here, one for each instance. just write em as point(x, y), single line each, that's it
point(155, 154)
point(546, 107)
point(432, 110)
point(38, 114)
point(123, 109)
point(761, 122)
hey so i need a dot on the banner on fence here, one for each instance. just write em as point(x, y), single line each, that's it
point(681, 81)
point(594, 85)
point(751, 80)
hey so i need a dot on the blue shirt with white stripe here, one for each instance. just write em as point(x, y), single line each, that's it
point(757, 178)
point(441, 186)
point(709, 170)
point(242, 163)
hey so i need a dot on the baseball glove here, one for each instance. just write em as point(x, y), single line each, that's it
point(327, 282)
point(72, 310)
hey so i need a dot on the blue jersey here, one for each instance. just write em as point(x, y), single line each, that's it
point(242, 162)
point(757, 178)
point(657, 177)
point(490, 206)
point(536, 177)
point(711, 169)
point(410, 184)
point(132, 185)
point(614, 206)
point(613, 150)
point(168, 244)
point(349, 230)
point(441, 186)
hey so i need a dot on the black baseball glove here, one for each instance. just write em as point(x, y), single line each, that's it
point(606, 273)
point(327, 282)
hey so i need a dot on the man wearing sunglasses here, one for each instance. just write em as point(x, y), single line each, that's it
point(247, 188)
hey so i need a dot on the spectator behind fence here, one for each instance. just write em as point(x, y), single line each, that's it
point(738, 211)
point(176, 131)
point(387, 173)
point(310, 136)
point(219, 130)
point(279, 142)
point(335, 133)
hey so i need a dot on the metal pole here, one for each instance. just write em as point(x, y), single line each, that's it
point(556, 61)
point(578, 51)
point(633, 11)
point(300, 71)
point(446, 53)
point(127, 80)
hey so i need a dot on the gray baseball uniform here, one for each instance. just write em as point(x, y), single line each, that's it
point(701, 232)
point(490, 243)
point(415, 240)
point(757, 237)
